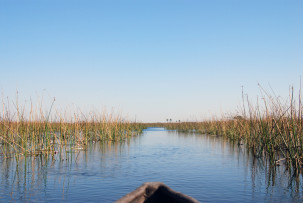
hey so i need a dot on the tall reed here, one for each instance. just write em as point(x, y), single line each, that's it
point(270, 128)
point(37, 132)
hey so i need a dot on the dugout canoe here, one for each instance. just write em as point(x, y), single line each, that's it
point(155, 192)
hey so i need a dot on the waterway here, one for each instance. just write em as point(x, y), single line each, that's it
point(208, 168)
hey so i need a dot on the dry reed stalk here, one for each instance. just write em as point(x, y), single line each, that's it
point(271, 129)
point(26, 134)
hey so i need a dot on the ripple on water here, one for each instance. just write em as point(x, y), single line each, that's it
point(207, 168)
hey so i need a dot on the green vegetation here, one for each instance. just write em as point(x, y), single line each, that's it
point(272, 129)
point(37, 133)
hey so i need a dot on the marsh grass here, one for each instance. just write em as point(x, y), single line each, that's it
point(272, 128)
point(37, 132)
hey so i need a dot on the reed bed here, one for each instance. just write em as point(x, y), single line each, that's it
point(37, 132)
point(271, 128)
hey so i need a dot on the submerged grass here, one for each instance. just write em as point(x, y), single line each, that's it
point(272, 129)
point(39, 133)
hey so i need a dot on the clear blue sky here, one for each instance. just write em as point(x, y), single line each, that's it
point(152, 59)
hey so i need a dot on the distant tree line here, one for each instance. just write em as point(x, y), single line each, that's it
point(169, 120)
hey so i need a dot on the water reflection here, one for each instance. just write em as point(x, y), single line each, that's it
point(29, 178)
point(275, 177)
point(209, 168)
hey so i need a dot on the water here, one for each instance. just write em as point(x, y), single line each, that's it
point(208, 168)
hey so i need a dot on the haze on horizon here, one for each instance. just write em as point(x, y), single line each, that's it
point(150, 60)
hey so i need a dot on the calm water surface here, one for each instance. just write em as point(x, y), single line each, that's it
point(208, 168)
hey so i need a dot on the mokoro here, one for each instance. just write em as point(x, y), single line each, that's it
point(155, 192)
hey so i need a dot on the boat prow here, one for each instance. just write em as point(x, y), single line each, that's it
point(155, 192)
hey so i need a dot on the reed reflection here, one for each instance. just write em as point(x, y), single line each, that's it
point(32, 177)
point(258, 168)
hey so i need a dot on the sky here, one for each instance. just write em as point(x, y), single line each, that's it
point(149, 60)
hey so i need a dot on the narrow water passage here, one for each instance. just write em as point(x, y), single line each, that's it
point(208, 168)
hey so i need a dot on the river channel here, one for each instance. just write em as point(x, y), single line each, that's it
point(207, 168)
